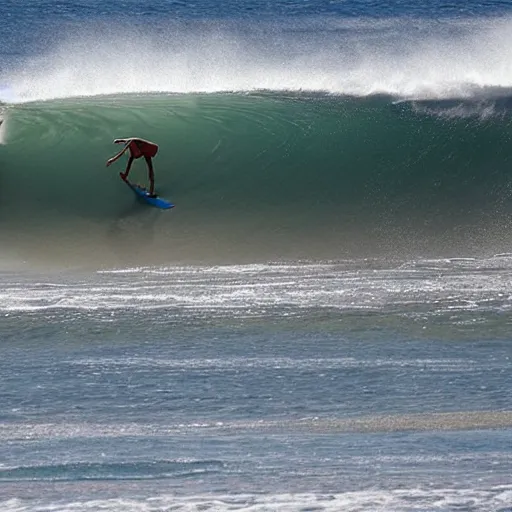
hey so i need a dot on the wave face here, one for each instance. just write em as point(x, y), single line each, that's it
point(256, 176)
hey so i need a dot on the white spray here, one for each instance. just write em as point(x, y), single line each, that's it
point(415, 59)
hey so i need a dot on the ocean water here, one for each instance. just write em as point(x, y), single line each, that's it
point(322, 323)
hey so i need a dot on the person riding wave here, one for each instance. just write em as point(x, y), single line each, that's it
point(138, 148)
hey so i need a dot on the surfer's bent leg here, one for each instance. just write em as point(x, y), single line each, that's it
point(128, 167)
point(151, 175)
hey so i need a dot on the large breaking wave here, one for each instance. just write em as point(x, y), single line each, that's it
point(289, 138)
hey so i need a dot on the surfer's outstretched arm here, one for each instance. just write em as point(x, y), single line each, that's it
point(110, 161)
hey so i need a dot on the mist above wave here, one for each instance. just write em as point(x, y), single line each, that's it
point(414, 59)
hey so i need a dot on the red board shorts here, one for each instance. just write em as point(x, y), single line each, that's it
point(140, 148)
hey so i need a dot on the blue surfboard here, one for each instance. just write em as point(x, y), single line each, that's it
point(143, 194)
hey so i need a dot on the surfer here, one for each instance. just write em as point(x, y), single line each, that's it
point(138, 147)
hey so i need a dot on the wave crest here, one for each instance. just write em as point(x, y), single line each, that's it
point(413, 59)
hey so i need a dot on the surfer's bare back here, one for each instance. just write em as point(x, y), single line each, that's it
point(137, 147)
